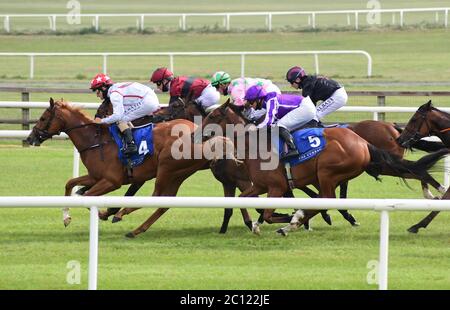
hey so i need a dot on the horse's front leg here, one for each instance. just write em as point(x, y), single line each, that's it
point(84, 180)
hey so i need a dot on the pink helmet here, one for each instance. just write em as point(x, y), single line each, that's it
point(254, 93)
point(294, 73)
point(161, 74)
point(100, 80)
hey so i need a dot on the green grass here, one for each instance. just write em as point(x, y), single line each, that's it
point(406, 56)
point(184, 251)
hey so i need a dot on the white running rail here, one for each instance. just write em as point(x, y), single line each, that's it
point(311, 17)
point(171, 56)
point(384, 206)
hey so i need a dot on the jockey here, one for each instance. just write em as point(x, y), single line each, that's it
point(197, 89)
point(236, 89)
point(130, 101)
point(290, 112)
point(318, 88)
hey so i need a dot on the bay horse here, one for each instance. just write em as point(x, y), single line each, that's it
point(99, 153)
point(345, 156)
point(178, 109)
point(426, 121)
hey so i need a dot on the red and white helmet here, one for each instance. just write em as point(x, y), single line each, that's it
point(161, 74)
point(100, 80)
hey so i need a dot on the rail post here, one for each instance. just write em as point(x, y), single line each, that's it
point(381, 100)
point(25, 116)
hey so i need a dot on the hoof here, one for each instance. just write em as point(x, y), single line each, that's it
point(116, 219)
point(413, 230)
point(67, 221)
point(222, 231)
point(282, 232)
point(255, 229)
point(102, 216)
point(355, 224)
point(307, 228)
point(327, 220)
point(130, 235)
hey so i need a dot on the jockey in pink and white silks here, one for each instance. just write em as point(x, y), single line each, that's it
point(130, 101)
point(237, 88)
point(288, 112)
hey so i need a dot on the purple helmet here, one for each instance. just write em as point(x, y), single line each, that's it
point(294, 73)
point(254, 93)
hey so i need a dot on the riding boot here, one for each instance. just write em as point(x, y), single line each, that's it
point(130, 145)
point(287, 137)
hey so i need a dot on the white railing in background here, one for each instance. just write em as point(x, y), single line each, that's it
point(311, 15)
point(384, 206)
point(105, 56)
point(375, 110)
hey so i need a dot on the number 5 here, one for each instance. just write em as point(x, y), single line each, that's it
point(314, 141)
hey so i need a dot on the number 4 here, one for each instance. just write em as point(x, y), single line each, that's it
point(143, 149)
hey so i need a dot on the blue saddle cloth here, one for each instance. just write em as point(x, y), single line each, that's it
point(143, 136)
point(309, 142)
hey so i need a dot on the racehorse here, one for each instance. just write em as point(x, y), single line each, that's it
point(99, 153)
point(384, 135)
point(426, 121)
point(346, 156)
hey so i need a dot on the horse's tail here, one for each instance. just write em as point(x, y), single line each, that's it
point(383, 162)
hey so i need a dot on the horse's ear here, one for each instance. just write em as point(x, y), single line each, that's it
point(52, 102)
point(426, 106)
point(227, 102)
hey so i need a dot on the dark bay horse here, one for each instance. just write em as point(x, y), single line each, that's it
point(99, 153)
point(384, 135)
point(345, 157)
point(427, 121)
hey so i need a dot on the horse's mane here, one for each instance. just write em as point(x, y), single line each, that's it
point(73, 109)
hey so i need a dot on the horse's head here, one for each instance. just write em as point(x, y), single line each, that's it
point(419, 126)
point(227, 113)
point(49, 124)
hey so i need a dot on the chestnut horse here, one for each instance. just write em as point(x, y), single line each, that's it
point(99, 153)
point(345, 156)
point(427, 121)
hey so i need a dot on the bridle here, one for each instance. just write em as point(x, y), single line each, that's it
point(416, 136)
point(44, 134)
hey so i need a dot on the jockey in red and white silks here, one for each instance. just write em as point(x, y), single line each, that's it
point(130, 101)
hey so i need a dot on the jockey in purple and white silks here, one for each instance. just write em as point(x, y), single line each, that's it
point(288, 112)
point(237, 88)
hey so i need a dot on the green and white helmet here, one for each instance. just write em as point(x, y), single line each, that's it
point(220, 77)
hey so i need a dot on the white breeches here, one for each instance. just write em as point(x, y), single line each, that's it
point(300, 116)
point(337, 100)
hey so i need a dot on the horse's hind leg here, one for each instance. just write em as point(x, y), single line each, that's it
point(166, 187)
point(423, 223)
point(132, 190)
point(229, 190)
point(343, 189)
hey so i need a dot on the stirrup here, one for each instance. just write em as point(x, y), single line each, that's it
point(130, 150)
point(290, 154)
